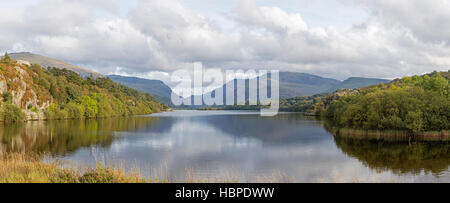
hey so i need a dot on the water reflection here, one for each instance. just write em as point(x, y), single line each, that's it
point(216, 143)
point(399, 157)
point(65, 137)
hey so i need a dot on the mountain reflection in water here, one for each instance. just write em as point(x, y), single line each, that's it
point(213, 143)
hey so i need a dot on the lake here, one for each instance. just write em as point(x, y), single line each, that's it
point(216, 146)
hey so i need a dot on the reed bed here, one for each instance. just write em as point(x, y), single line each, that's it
point(392, 135)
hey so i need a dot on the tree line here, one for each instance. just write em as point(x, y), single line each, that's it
point(415, 104)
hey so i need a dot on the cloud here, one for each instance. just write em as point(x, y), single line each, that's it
point(379, 47)
point(270, 18)
point(427, 20)
point(184, 35)
point(399, 38)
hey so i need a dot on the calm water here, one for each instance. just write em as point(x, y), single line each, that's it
point(225, 145)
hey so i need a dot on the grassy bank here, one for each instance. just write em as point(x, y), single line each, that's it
point(20, 168)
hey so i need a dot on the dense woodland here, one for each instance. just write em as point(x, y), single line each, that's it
point(415, 104)
point(71, 96)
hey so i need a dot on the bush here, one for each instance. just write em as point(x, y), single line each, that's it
point(90, 107)
point(52, 112)
point(12, 113)
point(75, 110)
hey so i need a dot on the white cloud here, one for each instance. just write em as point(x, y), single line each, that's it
point(270, 18)
point(399, 38)
point(186, 36)
point(428, 20)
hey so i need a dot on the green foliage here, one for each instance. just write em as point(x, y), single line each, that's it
point(11, 113)
point(78, 98)
point(415, 104)
point(301, 104)
point(90, 107)
point(75, 110)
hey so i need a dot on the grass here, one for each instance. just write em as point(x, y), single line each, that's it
point(21, 168)
point(26, 168)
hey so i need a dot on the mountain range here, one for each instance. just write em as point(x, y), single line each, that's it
point(157, 88)
point(292, 84)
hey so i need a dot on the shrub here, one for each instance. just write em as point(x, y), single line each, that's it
point(74, 110)
point(12, 113)
point(90, 107)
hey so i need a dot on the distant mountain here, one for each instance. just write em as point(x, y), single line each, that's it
point(356, 82)
point(292, 84)
point(49, 62)
point(156, 88)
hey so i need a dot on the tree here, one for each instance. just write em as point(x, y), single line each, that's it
point(6, 58)
point(90, 107)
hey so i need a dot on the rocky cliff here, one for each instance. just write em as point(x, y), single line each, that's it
point(16, 85)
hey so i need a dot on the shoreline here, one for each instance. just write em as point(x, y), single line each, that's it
point(387, 135)
point(392, 135)
point(84, 118)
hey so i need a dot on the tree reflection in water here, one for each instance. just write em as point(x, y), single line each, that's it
point(60, 138)
point(400, 157)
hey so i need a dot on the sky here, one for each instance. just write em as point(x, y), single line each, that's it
point(151, 38)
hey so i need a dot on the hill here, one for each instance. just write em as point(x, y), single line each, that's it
point(357, 82)
point(294, 84)
point(299, 90)
point(30, 92)
point(414, 104)
point(156, 88)
point(49, 62)
point(291, 84)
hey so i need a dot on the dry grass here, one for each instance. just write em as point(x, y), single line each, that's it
point(21, 168)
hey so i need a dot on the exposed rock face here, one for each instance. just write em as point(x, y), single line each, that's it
point(22, 62)
point(337, 95)
point(20, 85)
point(3, 85)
